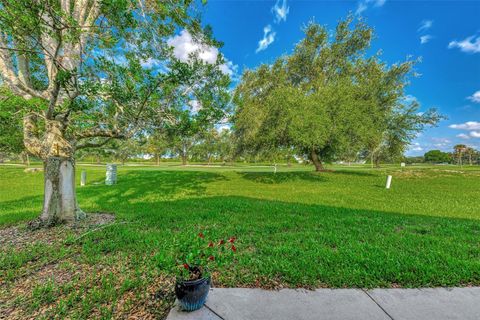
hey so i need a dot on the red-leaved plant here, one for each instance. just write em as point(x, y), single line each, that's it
point(200, 256)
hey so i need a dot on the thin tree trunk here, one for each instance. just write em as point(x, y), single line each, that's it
point(184, 155)
point(316, 161)
point(184, 159)
point(25, 158)
point(158, 159)
point(60, 202)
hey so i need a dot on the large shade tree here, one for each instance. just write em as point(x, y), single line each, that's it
point(328, 99)
point(436, 156)
point(86, 60)
point(198, 108)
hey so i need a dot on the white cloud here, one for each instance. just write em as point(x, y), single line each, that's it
point(195, 106)
point(379, 3)
point(409, 98)
point(268, 38)
point(441, 143)
point(184, 46)
point(150, 63)
point(415, 147)
point(229, 68)
point(441, 140)
point(475, 134)
point(425, 25)
point(475, 97)
point(469, 125)
point(119, 59)
point(424, 39)
point(222, 127)
point(281, 10)
point(469, 45)
point(463, 136)
point(364, 4)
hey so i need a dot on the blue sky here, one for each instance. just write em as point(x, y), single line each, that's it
point(445, 34)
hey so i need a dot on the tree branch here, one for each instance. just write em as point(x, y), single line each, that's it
point(99, 132)
point(31, 141)
point(93, 144)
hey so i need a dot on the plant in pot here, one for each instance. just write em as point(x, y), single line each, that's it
point(197, 259)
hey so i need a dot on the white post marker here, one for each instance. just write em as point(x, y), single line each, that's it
point(111, 176)
point(83, 178)
point(275, 168)
point(402, 164)
point(389, 182)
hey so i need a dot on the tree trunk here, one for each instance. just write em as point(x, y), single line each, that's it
point(184, 154)
point(25, 158)
point(316, 161)
point(184, 159)
point(158, 159)
point(60, 202)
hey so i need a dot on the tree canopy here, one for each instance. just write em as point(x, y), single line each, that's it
point(328, 99)
point(437, 156)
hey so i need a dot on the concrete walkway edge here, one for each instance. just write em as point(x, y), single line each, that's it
point(290, 304)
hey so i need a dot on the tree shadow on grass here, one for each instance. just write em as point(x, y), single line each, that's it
point(133, 186)
point(352, 172)
point(165, 184)
point(312, 176)
point(281, 177)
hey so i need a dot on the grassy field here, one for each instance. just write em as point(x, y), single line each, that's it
point(295, 228)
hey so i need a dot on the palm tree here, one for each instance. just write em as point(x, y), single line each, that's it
point(459, 150)
point(469, 152)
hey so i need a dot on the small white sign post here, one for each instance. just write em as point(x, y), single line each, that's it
point(275, 168)
point(402, 164)
point(389, 182)
point(83, 178)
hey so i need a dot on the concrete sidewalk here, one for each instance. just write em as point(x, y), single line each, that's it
point(290, 304)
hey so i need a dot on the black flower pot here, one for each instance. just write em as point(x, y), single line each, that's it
point(192, 294)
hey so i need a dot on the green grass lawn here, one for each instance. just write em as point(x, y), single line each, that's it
point(295, 228)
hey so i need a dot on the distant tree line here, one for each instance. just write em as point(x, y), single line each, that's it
point(460, 155)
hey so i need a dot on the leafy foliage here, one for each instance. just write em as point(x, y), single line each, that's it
point(327, 100)
point(437, 156)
